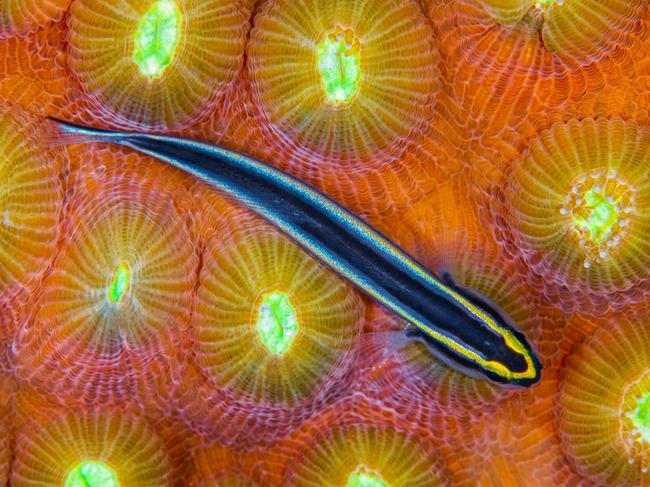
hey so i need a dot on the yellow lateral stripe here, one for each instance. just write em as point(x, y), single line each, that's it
point(512, 342)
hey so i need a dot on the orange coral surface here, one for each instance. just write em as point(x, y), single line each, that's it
point(154, 333)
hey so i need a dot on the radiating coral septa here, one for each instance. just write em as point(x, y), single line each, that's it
point(573, 209)
point(266, 310)
point(502, 75)
point(31, 199)
point(274, 332)
point(371, 191)
point(216, 466)
point(342, 95)
point(155, 65)
point(19, 17)
point(33, 74)
point(354, 446)
point(112, 311)
point(509, 11)
point(603, 403)
point(587, 31)
point(579, 31)
point(107, 447)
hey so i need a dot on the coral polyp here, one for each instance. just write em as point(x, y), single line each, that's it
point(360, 455)
point(310, 41)
point(585, 31)
point(603, 403)
point(576, 201)
point(342, 90)
point(271, 323)
point(108, 448)
point(167, 59)
point(22, 16)
point(30, 200)
point(579, 31)
point(113, 304)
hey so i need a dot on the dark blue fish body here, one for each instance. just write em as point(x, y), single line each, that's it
point(472, 337)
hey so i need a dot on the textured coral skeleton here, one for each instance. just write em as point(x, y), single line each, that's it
point(154, 333)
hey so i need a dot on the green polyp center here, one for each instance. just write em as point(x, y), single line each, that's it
point(120, 283)
point(277, 324)
point(157, 38)
point(339, 65)
point(542, 4)
point(362, 477)
point(600, 209)
point(92, 474)
point(597, 216)
point(640, 418)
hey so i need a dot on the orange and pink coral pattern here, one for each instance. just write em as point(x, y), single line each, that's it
point(506, 142)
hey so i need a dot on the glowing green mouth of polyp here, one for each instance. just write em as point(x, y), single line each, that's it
point(641, 418)
point(361, 477)
point(277, 323)
point(120, 283)
point(157, 38)
point(598, 217)
point(92, 474)
point(339, 67)
point(547, 3)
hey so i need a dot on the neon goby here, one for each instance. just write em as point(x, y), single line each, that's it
point(462, 329)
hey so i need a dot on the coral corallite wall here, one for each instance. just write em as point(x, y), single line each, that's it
point(155, 333)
